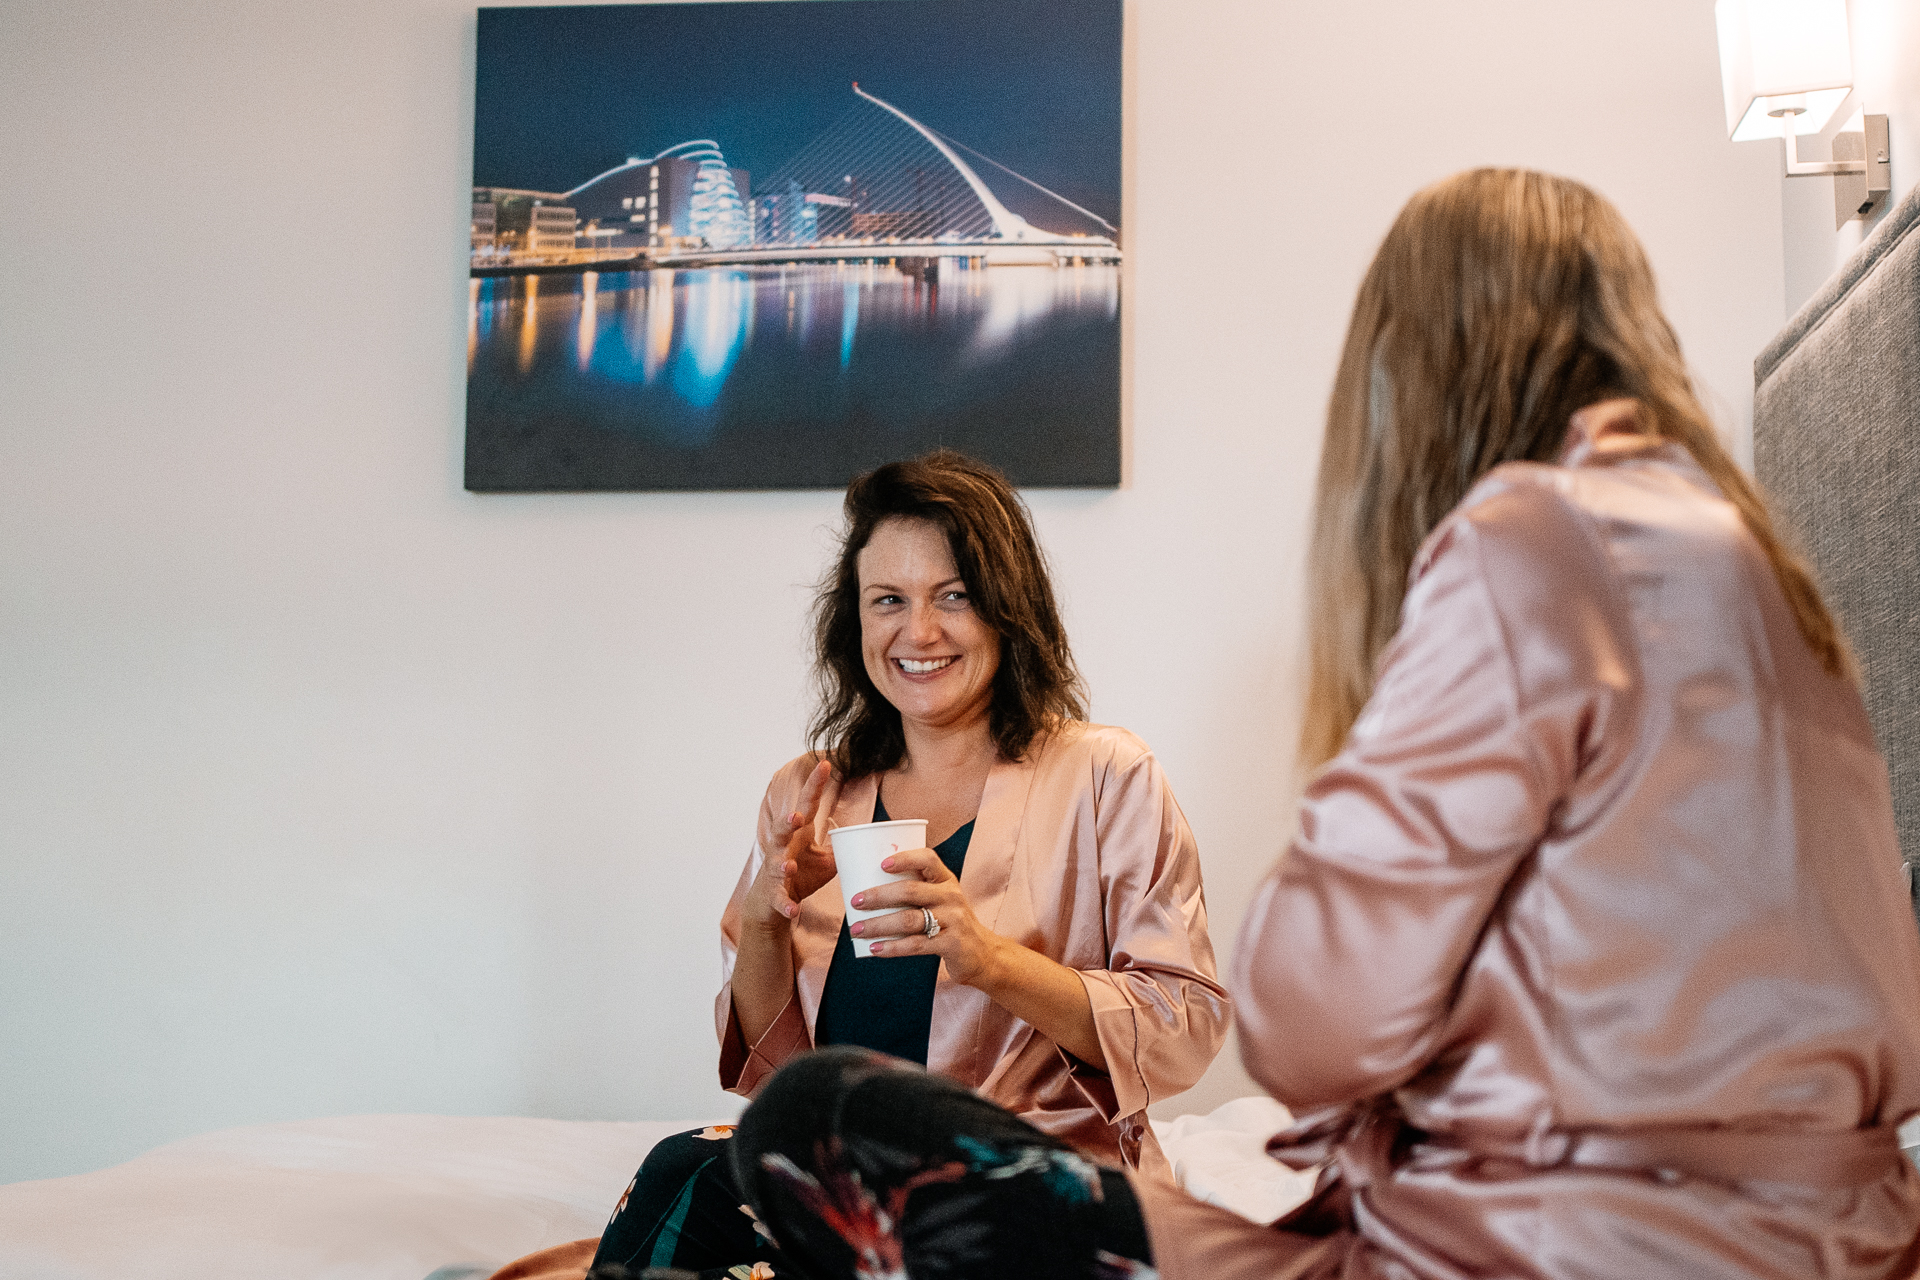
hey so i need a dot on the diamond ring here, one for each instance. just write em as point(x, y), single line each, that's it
point(933, 926)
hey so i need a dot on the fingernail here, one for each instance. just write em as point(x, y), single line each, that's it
point(886, 864)
point(859, 899)
point(877, 948)
point(857, 928)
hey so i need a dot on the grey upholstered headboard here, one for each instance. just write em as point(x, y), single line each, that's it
point(1836, 444)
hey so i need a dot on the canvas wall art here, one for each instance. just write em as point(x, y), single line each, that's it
point(773, 245)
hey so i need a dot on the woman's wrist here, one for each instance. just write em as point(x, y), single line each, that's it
point(995, 967)
point(1045, 994)
point(757, 912)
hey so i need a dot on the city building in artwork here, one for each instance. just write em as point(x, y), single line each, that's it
point(484, 226)
point(510, 222)
point(687, 194)
point(551, 228)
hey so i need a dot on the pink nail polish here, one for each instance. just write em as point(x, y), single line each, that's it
point(857, 928)
point(886, 864)
point(859, 898)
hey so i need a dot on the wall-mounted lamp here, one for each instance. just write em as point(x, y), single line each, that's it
point(1786, 66)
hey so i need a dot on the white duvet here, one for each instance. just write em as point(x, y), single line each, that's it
point(412, 1197)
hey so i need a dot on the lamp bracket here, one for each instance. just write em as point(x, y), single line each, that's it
point(1862, 166)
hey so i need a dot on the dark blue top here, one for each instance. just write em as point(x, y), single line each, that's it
point(886, 1006)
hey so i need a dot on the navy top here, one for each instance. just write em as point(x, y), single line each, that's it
point(886, 1006)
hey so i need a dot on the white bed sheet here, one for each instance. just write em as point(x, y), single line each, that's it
point(360, 1197)
point(409, 1197)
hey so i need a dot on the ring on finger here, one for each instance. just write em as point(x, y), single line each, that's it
point(933, 925)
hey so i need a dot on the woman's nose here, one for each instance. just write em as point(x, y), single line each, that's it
point(923, 626)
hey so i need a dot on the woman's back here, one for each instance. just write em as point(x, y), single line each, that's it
point(1610, 850)
point(1718, 906)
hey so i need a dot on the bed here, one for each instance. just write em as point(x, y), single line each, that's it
point(435, 1197)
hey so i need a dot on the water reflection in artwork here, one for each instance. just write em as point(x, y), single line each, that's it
point(794, 376)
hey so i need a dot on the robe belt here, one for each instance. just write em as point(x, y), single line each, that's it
point(1818, 1158)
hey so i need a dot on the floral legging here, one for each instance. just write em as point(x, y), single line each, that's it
point(864, 1167)
point(683, 1210)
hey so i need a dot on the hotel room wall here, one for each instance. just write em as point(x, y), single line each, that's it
point(1886, 73)
point(327, 787)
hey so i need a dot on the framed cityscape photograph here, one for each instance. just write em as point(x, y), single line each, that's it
point(772, 245)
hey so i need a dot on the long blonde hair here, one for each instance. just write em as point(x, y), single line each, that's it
point(1501, 302)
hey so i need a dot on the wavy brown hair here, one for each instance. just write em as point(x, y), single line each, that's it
point(990, 534)
point(1501, 302)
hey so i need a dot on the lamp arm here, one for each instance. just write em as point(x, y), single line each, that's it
point(1797, 168)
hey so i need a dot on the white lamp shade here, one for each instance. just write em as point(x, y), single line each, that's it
point(1776, 53)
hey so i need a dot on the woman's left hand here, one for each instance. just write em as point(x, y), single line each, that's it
point(968, 947)
point(1046, 995)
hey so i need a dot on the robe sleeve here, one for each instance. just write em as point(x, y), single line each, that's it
point(1347, 966)
point(1158, 1007)
point(745, 1067)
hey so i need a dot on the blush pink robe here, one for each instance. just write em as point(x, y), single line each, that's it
point(1080, 853)
point(1593, 949)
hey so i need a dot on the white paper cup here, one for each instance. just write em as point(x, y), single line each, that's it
point(857, 852)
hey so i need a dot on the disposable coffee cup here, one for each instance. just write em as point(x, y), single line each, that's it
point(857, 852)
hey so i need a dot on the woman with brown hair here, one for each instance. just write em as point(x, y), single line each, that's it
point(1591, 955)
point(1051, 951)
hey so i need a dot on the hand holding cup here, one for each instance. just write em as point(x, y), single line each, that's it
point(858, 852)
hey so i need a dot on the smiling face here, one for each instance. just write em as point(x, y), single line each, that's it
point(925, 648)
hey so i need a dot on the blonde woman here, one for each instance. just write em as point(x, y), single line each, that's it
point(1591, 956)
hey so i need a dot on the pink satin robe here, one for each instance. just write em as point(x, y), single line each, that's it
point(1078, 852)
point(1607, 851)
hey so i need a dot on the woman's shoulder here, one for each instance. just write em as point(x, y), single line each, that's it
point(1557, 519)
point(1611, 473)
point(1525, 563)
point(1075, 744)
point(1522, 514)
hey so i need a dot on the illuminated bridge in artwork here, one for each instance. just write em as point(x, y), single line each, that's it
point(880, 185)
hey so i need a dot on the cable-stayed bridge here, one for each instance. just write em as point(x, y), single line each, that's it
point(877, 185)
point(880, 185)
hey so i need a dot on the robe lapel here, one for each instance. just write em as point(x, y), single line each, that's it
point(958, 1045)
point(854, 807)
point(826, 910)
point(994, 849)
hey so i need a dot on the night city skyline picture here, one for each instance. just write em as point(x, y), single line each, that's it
point(771, 245)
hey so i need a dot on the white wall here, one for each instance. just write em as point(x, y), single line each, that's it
point(1886, 73)
point(327, 787)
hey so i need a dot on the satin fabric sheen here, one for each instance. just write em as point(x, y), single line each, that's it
point(1608, 851)
point(1079, 852)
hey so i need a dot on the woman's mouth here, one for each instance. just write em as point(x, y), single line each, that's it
point(924, 666)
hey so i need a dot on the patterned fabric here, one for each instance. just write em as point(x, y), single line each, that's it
point(682, 1210)
point(866, 1168)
